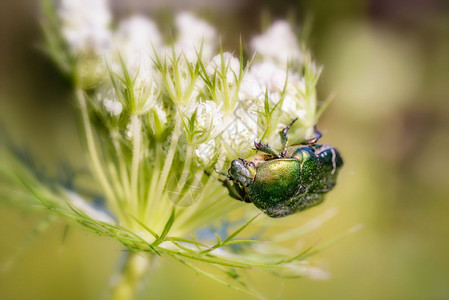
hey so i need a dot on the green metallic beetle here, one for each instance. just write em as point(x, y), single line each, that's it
point(280, 184)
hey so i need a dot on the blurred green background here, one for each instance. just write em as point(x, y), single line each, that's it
point(387, 61)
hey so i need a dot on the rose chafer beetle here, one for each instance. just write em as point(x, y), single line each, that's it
point(280, 184)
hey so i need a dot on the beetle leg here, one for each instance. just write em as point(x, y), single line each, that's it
point(235, 191)
point(315, 139)
point(284, 138)
point(266, 149)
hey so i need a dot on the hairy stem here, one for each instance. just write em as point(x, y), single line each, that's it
point(170, 155)
point(185, 172)
point(122, 163)
point(159, 206)
point(136, 141)
point(93, 153)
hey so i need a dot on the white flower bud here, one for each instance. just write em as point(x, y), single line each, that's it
point(240, 131)
point(113, 107)
point(135, 39)
point(269, 76)
point(157, 119)
point(208, 119)
point(278, 44)
point(206, 152)
point(133, 42)
point(264, 79)
point(128, 131)
point(85, 25)
point(192, 34)
point(161, 114)
point(228, 62)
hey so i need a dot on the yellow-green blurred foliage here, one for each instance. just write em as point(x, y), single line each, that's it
point(387, 61)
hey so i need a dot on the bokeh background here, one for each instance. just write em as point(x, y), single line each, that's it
point(387, 61)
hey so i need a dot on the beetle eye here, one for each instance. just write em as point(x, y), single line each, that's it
point(251, 164)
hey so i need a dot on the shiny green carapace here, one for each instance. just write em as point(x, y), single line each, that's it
point(286, 182)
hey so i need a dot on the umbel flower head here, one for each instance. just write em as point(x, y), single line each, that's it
point(157, 120)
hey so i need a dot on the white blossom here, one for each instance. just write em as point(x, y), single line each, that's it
point(135, 39)
point(133, 43)
point(291, 109)
point(157, 119)
point(107, 96)
point(161, 114)
point(206, 152)
point(269, 76)
point(85, 25)
point(192, 34)
point(208, 119)
point(250, 88)
point(226, 62)
point(240, 131)
point(145, 82)
point(113, 107)
point(278, 44)
point(263, 79)
point(146, 90)
point(128, 131)
point(185, 80)
point(267, 79)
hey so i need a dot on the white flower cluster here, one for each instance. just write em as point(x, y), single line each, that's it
point(225, 104)
point(278, 45)
point(195, 35)
point(272, 75)
point(86, 30)
point(226, 62)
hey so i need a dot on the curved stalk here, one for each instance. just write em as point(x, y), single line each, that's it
point(122, 164)
point(136, 142)
point(185, 172)
point(134, 270)
point(93, 153)
point(158, 204)
point(170, 155)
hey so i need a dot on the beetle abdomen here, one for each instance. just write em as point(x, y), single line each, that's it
point(286, 186)
point(276, 182)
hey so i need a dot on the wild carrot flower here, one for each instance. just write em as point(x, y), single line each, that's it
point(157, 120)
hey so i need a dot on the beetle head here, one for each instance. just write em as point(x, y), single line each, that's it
point(242, 171)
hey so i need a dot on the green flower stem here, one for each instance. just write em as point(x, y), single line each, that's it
point(150, 204)
point(186, 217)
point(114, 178)
point(136, 142)
point(93, 153)
point(136, 266)
point(154, 214)
point(185, 170)
point(122, 164)
point(170, 155)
